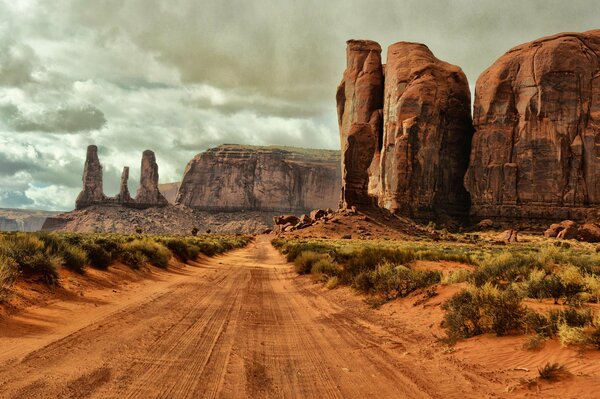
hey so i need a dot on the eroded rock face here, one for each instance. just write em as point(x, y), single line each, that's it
point(536, 150)
point(359, 104)
point(148, 193)
point(277, 179)
point(124, 196)
point(426, 136)
point(92, 192)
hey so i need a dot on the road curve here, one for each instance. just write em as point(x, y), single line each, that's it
point(239, 326)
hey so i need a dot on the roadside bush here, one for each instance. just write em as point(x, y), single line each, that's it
point(395, 281)
point(486, 309)
point(157, 254)
point(74, 258)
point(97, 256)
point(182, 249)
point(29, 253)
point(326, 267)
point(133, 258)
point(305, 261)
point(9, 272)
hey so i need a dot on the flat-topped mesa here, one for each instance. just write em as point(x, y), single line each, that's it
point(426, 134)
point(148, 193)
point(536, 150)
point(92, 192)
point(359, 104)
point(270, 179)
point(124, 197)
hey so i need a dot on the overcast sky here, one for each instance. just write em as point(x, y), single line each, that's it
point(180, 76)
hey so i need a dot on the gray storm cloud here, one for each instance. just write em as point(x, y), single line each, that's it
point(181, 76)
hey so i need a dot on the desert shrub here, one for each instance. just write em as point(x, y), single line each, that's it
point(9, 272)
point(157, 254)
point(294, 250)
point(326, 267)
point(592, 286)
point(394, 281)
point(486, 309)
point(570, 317)
point(305, 261)
point(182, 249)
point(551, 371)
point(109, 244)
point(506, 267)
point(534, 322)
point(29, 253)
point(97, 256)
point(572, 281)
point(133, 258)
point(568, 335)
point(332, 282)
point(594, 338)
point(456, 276)
point(195, 231)
point(534, 342)
point(74, 258)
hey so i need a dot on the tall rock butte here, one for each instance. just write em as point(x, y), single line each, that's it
point(536, 150)
point(359, 106)
point(92, 192)
point(148, 193)
point(426, 135)
point(405, 130)
point(273, 179)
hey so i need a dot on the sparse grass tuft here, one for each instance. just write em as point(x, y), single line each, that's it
point(551, 371)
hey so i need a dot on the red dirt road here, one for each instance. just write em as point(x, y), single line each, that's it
point(242, 325)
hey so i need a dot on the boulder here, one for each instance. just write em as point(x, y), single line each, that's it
point(568, 233)
point(510, 236)
point(589, 232)
point(359, 107)
point(553, 230)
point(485, 224)
point(535, 151)
point(286, 219)
point(305, 219)
point(317, 214)
point(426, 135)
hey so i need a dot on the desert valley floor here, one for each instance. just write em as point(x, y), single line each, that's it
point(245, 325)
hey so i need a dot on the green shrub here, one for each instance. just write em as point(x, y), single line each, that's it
point(133, 258)
point(97, 256)
point(486, 309)
point(157, 254)
point(504, 268)
point(74, 258)
point(29, 253)
point(571, 317)
point(9, 272)
point(183, 249)
point(537, 323)
point(326, 267)
point(395, 281)
point(456, 276)
point(568, 335)
point(305, 261)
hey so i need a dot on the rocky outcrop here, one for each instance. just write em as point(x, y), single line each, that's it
point(569, 230)
point(92, 192)
point(359, 104)
point(148, 193)
point(124, 197)
point(536, 150)
point(405, 134)
point(427, 134)
point(271, 179)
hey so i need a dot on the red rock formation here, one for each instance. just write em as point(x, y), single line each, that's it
point(536, 150)
point(148, 193)
point(427, 134)
point(359, 103)
point(92, 180)
point(124, 197)
point(278, 179)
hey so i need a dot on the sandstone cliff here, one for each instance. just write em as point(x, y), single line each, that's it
point(536, 150)
point(427, 134)
point(277, 179)
point(405, 130)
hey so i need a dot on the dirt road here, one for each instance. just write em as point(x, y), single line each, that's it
point(240, 325)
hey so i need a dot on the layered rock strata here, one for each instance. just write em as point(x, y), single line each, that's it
point(273, 179)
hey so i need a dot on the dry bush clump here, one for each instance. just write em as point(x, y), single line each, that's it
point(551, 371)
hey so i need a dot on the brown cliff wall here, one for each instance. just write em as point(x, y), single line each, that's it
point(536, 150)
point(285, 179)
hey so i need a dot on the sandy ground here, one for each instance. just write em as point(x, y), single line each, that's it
point(243, 325)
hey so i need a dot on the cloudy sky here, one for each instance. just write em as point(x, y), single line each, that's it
point(180, 76)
